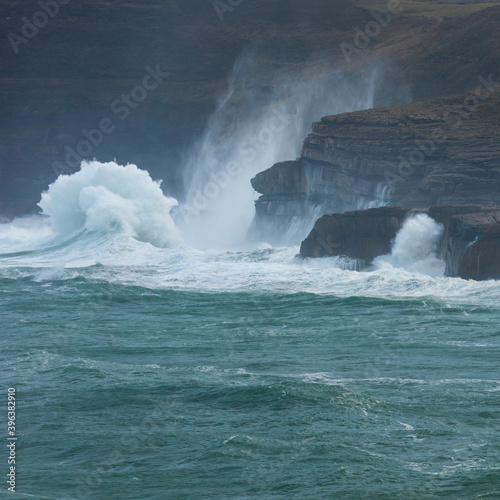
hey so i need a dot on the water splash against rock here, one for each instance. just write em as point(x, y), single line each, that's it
point(259, 121)
point(416, 247)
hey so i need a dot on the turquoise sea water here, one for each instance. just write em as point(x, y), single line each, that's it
point(144, 372)
point(128, 392)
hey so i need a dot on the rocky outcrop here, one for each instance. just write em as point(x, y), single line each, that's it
point(437, 152)
point(297, 192)
point(442, 151)
point(361, 234)
point(470, 243)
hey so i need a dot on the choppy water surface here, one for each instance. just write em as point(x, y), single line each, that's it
point(148, 373)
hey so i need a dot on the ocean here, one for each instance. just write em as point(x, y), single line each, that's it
point(145, 368)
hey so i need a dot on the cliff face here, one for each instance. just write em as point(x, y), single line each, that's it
point(64, 78)
point(471, 242)
point(442, 151)
point(469, 245)
point(438, 152)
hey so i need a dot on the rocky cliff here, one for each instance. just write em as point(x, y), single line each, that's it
point(437, 152)
point(61, 78)
point(471, 241)
point(469, 245)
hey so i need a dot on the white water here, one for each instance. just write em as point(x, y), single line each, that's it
point(102, 240)
point(255, 126)
point(25, 234)
point(113, 223)
point(104, 197)
point(415, 247)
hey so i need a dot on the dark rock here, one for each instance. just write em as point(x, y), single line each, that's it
point(470, 245)
point(362, 234)
point(65, 79)
point(431, 150)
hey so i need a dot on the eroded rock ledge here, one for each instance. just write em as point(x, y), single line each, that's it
point(437, 152)
point(470, 245)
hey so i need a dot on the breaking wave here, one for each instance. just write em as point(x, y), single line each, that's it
point(106, 197)
point(112, 223)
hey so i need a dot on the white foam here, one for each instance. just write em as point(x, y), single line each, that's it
point(24, 234)
point(105, 197)
point(119, 214)
point(415, 247)
point(123, 260)
point(407, 427)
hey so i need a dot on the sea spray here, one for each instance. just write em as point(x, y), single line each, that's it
point(415, 247)
point(104, 197)
point(24, 233)
point(258, 122)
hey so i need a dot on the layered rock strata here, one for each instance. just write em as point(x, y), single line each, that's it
point(437, 152)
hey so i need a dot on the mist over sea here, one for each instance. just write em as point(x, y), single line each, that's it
point(158, 352)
